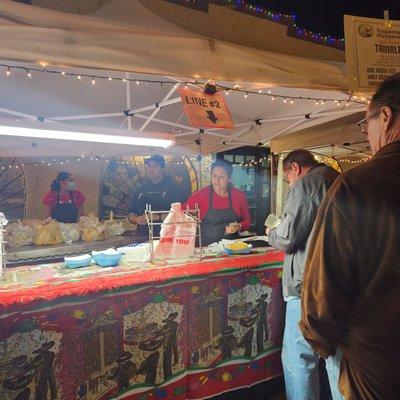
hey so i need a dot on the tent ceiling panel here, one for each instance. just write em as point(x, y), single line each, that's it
point(69, 100)
point(337, 132)
point(148, 46)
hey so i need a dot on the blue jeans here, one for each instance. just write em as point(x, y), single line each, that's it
point(332, 364)
point(300, 363)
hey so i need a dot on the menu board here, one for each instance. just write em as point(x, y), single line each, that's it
point(372, 51)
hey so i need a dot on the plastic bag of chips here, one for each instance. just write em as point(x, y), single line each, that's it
point(47, 234)
point(70, 232)
point(91, 228)
point(18, 234)
point(113, 227)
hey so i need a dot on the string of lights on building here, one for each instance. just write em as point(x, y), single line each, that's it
point(287, 99)
point(242, 5)
point(262, 12)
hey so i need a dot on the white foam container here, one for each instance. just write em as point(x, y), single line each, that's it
point(136, 253)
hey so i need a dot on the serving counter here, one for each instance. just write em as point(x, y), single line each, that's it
point(184, 331)
point(36, 254)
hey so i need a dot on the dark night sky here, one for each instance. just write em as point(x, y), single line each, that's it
point(326, 17)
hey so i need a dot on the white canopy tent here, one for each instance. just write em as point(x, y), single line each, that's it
point(145, 47)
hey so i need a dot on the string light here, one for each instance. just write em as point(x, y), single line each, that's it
point(288, 19)
point(252, 163)
point(95, 159)
point(228, 90)
point(358, 161)
point(316, 37)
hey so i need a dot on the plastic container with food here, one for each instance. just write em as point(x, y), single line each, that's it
point(78, 261)
point(106, 258)
point(137, 253)
point(237, 247)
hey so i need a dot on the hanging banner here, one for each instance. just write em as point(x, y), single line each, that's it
point(372, 51)
point(206, 110)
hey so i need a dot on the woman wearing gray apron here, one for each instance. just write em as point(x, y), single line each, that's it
point(223, 208)
point(216, 221)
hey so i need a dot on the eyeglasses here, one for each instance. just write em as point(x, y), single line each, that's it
point(363, 124)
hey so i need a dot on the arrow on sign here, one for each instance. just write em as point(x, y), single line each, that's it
point(212, 117)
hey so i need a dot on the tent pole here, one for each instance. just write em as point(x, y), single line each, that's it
point(154, 113)
point(117, 114)
point(128, 98)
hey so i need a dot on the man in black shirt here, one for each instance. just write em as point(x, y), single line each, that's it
point(160, 191)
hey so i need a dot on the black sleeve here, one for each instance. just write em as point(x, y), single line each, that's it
point(177, 194)
point(182, 194)
point(134, 205)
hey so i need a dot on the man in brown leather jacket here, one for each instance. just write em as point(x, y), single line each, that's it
point(351, 289)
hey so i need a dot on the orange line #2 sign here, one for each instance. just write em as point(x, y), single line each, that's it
point(206, 110)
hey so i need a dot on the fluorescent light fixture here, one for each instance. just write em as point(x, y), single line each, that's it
point(54, 131)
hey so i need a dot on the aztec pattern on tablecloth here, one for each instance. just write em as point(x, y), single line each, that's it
point(185, 339)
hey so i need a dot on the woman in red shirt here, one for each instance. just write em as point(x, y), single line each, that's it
point(223, 208)
point(63, 203)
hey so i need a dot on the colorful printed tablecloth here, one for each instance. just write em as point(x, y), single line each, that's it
point(180, 332)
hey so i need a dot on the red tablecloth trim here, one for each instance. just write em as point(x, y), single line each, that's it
point(153, 275)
